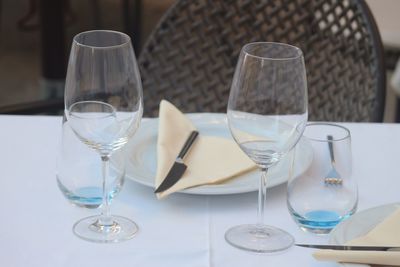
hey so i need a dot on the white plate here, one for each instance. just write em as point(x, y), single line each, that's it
point(359, 224)
point(142, 157)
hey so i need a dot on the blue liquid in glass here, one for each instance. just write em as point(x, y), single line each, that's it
point(319, 221)
point(89, 197)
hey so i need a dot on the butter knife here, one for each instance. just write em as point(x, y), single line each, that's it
point(344, 247)
point(179, 167)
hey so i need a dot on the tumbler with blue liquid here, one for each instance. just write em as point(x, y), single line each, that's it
point(79, 174)
point(326, 193)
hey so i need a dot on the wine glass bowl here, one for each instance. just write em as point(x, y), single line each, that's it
point(98, 125)
point(267, 113)
point(103, 106)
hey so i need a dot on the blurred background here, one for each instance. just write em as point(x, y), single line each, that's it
point(35, 39)
point(36, 35)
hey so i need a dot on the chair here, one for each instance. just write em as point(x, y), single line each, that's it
point(190, 57)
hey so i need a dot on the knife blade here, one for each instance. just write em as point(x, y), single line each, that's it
point(344, 247)
point(179, 167)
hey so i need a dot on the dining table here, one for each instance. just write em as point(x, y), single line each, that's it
point(179, 230)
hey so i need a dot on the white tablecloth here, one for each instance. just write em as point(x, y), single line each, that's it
point(182, 230)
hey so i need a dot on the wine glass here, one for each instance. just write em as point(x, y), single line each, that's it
point(267, 113)
point(103, 106)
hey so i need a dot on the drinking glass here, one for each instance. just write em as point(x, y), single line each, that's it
point(326, 193)
point(267, 113)
point(103, 106)
point(79, 178)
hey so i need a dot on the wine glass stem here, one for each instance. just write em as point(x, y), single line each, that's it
point(105, 219)
point(262, 191)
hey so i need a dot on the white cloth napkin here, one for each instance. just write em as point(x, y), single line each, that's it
point(210, 160)
point(386, 233)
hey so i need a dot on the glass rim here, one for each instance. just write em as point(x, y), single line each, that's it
point(127, 42)
point(295, 48)
point(346, 131)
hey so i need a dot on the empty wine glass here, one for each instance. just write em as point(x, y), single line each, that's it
point(267, 113)
point(103, 106)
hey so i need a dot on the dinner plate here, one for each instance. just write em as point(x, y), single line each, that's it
point(142, 158)
point(360, 224)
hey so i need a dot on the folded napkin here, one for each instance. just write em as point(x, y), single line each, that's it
point(386, 233)
point(210, 160)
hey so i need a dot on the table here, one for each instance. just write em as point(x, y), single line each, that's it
point(182, 230)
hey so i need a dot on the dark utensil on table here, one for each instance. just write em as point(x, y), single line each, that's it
point(344, 247)
point(179, 167)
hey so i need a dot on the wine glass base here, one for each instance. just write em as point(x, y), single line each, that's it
point(121, 229)
point(259, 238)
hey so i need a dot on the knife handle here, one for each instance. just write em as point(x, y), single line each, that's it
point(193, 135)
